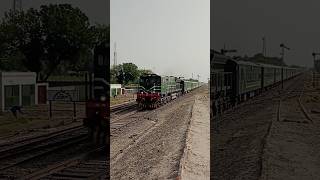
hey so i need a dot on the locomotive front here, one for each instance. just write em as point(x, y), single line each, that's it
point(149, 93)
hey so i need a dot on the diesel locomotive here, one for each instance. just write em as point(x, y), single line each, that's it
point(97, 106)
point(155, 90)
point(235, 80)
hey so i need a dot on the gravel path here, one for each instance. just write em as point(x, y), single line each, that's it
point(240, 137)
point(195, 164)
point(151, 145)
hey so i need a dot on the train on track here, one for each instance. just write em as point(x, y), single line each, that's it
point(97, 118)
point(155, 90)
point(235, 80)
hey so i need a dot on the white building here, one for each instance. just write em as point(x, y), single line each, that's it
point(116, 89)
point(21, 89)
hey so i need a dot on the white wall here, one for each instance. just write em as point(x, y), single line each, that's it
point(17, 78)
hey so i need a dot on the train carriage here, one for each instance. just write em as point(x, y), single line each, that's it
point(277, 72)
point(187, 85)
point(268, 78)
point(221, 83)
point(246, 79)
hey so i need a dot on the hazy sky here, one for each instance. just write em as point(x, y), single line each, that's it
point(241, 25)
point(170, 37)
point(96, 10)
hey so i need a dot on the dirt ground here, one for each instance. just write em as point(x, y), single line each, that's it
point(36, 119)
point(149, 145)
point(195, 164)
point(293, 147)
point(250, 142)
point(122, 99)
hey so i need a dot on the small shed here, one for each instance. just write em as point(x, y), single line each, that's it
point(116, 89)
point(18, 89)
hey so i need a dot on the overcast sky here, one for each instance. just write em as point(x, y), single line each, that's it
point(241, 25)
point(170, 37)
point(96, 10)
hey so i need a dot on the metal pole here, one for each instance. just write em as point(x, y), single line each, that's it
point(282, 67)
point(74, 110)
point(314, 68)
point(86, 85)
point(90, 85)
point(50, 109)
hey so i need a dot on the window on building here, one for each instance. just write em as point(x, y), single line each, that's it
point(11, 94)
point(28, 95)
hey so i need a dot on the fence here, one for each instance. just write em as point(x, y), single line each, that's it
point(66, 109)
point(75, 93)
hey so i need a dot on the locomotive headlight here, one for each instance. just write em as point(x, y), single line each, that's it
point(103, 98)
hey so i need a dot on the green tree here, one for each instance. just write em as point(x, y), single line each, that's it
point(130, 72)
point(53, 35)
point(145, 71)
point(127, 73)
point(101, 33)
point(21, 32)
point(67, 34)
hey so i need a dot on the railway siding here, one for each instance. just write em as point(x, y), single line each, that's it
point(241, 136)
point(292, 149)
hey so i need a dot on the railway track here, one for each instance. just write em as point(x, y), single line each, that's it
point(147, 114)
point(17, 153)
point(25, 142)
point(123, 108)
point(89, 165)
point(21, 156)
point(290, 103)
point(115, 125)
point(270, 95)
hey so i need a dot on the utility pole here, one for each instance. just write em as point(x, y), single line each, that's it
point(115, 55)
point(283, 47)
point(17, 5)
point(264, 46)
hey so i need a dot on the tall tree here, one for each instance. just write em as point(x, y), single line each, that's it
point(127, 73)
point(67, 33)
point(53, 35)
point(145, 71)
point(101, 33)
point(23, 35)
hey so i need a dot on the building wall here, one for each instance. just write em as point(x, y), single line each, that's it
point(14, 78)
point(115, 89)
point(18, 88)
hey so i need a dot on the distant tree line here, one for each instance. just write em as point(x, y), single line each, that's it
point(127, 73)
point(51, 40)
